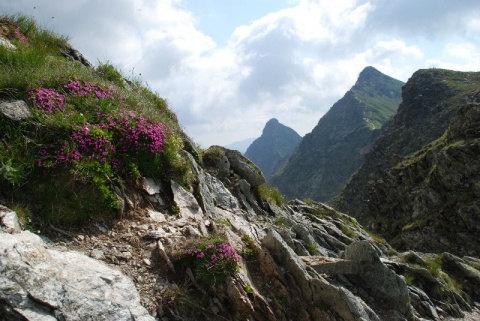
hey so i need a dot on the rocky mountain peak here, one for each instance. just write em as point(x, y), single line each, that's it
point(276, 143)
point(343, 135)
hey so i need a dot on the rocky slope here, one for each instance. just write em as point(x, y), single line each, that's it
point(302, 261)
point(419, 181)
point(276, 143)
point(342, 136)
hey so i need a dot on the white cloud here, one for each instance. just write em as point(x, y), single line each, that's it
point(291, 64)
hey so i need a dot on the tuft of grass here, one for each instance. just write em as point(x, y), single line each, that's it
point(224, 221)
point(23, 214)
point(281, 222)
point(409, 278)
point(433, 264)
point(271, 194)
point(311, 248)
point(348, 231)
point(180, 297)
point(108, 72)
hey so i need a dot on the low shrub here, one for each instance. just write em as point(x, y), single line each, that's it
point(212, 262)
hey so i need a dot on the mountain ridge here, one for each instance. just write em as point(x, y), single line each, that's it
point(414, 166)
point(343, 135)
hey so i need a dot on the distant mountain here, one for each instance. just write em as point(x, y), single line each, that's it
point(419, 185)
point(334, 150)
point(276, 143)
point(241, 145)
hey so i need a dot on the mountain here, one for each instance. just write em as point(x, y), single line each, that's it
point(109, 212)
point(276, 143)
point(419, 184)
point(333, 151)
point(241, 145)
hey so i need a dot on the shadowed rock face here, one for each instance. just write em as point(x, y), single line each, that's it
point(418, 186)
point(328, 156)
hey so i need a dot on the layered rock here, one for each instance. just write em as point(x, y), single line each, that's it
point(334, 150)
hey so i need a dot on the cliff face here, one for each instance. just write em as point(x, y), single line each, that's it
point(276, 143)
point(419, 180)
point(342, 136)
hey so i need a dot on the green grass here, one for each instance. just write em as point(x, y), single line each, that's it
point(311, 248)
point(271, 195)
point(281, 222)
point(224, 221)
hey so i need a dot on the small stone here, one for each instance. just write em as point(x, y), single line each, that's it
point(16, 110)
point(80, 237)
point(155, 235)
point(97, 254)
point(156, 216)
point(102, 228)
point(150, 186)
point(191, 231)
point(124, 256)
point(147, 262)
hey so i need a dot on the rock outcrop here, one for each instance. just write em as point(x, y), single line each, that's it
point(38, 282)
point(334, 150)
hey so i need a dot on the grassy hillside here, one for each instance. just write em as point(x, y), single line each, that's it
point(89, 130)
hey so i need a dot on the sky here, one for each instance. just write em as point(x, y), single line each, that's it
point(228, 66)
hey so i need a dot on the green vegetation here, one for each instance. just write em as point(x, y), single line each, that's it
point(377, 238)
point(409, 278)
point(90, 133)
point(271, 194)
point(213, 155)
point(347, 231)
point(311, 248)
point(281, 222)
point(249, 289)
point(212, 260)
point(224, 222)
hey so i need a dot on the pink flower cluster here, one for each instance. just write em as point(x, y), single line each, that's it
point(223, 256)
point(110, 140)
point(84, 88)
point(11, 31)
point(135, 134)
point(49, 100)
point(91, 145)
